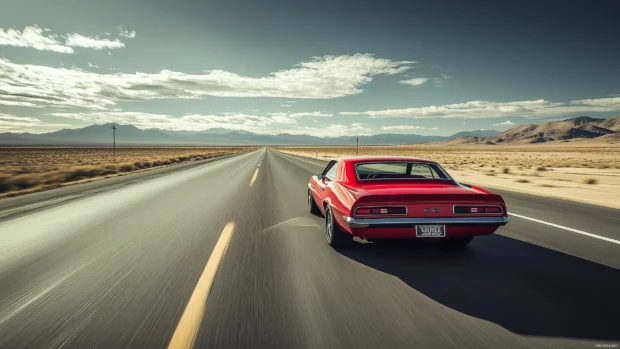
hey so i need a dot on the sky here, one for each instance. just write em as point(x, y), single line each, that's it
point(324, 68)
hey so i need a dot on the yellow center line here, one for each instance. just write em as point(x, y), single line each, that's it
point(254, 177)
point(187, 329)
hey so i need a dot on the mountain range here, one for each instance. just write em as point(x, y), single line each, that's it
point(579, 128)
point(131, 135)
point(582, 127)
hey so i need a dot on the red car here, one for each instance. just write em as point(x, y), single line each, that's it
point(401, 197)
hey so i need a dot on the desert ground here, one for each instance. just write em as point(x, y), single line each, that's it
point(29, 169)
point(577, 171)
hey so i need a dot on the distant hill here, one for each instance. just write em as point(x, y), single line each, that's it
point(477, 133)
point(463, 140)
point(611, 123)
point(582, 127)
point(131, 135)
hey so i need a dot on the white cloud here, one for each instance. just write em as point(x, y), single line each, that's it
point(21, 124)
point(505, 123)
point(42, 39)
point(189, 122)
point(286, 105)
point(321, 78)
point(316, 114)
point(402, 127)
point(19, 104)
point(33, 37)
point(90, 65)
point(486, 109)
point(122, 31)
point(414, 82)
point(96, 43)
point(613, 102)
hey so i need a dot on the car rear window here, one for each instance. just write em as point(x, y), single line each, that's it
point(399, 170)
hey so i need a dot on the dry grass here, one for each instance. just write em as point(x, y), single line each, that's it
point(590, 181)
point(31, 169)
point(540, 158)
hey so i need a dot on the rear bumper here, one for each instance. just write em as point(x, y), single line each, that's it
point(400, 222)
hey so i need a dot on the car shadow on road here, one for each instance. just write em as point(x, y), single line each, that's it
point(527, 289)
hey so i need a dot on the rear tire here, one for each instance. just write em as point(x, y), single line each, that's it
point(312, 207)
point(335, 236)
point(459, 242)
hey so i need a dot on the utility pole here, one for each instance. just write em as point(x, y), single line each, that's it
point(114, 139)
point(357, 150)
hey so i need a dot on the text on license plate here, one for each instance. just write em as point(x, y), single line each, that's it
point(430, 231)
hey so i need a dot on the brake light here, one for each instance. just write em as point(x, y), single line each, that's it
point(361, 211)
point(394, 210)
point(477, 209)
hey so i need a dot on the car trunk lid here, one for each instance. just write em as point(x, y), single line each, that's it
point(431, 198)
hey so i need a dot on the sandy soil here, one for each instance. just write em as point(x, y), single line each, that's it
point(588, 175)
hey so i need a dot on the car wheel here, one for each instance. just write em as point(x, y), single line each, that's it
point(312, 207)
point(459, 242)
point(334, 235)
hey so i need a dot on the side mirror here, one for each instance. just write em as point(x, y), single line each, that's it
point(320, 177)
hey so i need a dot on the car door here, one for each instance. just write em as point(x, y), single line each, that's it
point(329, 175)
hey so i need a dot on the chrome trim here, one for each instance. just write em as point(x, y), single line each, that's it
point(380, 215)
point(481, 205)
point(368, 223)
point(448, 177)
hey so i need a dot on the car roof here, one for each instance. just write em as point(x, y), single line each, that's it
point(359, 159)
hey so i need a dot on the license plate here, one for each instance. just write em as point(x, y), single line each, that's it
point(430, 231)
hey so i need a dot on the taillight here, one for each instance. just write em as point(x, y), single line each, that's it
point(477, 209)
point(494, 209)
point(361, 211)
point(391, 210)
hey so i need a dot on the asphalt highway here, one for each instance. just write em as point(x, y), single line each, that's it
point(226, 255)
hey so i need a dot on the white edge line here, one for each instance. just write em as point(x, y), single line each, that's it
point(298, 158)
point(567, 228)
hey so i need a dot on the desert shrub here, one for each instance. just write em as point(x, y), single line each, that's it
point(81, 172)
point(590, 181)
point(146, 164)
point(138, 165)
point(506, 170)
point(24, 181)
point(522, 181)
point(125, 168)
point(109, 169)
point(541, 169)
point(4, 183)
